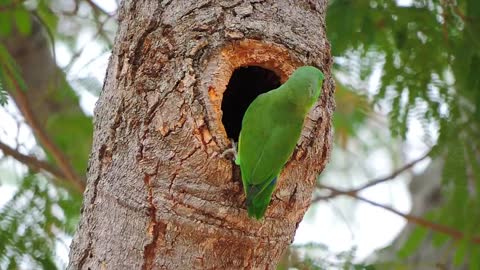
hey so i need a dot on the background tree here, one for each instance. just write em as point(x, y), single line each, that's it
point(426, 53)
point(429, 53)
point(44, 208)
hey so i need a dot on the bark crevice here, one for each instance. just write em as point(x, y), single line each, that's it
point(154, 228)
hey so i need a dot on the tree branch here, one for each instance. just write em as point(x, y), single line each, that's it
point(32, 162)
point(78, 53)
point(59, 157)
point(410, 218)
point(74, 12)
point(393, 174)
point(97, 9)
point(380, 180)
point(11, 5)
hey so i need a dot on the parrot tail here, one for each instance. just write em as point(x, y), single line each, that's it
point(258, 198)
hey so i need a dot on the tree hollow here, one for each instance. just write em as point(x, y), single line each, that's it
point(243, 87)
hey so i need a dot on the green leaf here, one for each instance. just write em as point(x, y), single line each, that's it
point(363, 267)
point(23, 21)
point(12, 264)
point(75, 128)
point(10, 75)
point(438, 239)
point(460, 253)
point(3, 92)
point(49, 18)
point(474, 263)
point(5, 23)
point(413, 242)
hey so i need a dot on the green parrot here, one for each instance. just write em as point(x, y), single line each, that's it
point(270, 130)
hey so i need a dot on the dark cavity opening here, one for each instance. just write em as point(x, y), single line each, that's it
point(244, 86)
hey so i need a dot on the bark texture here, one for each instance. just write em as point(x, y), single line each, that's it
point(159, 193)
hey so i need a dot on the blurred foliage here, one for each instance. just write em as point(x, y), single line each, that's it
point(347, 118)
point(32, 223)
point(319, 257)
point(429, 57)
point(39, 220)
point(10, 75)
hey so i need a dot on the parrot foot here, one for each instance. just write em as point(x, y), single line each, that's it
point(231, 151)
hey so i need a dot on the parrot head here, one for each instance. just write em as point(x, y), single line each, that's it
point(307, 82)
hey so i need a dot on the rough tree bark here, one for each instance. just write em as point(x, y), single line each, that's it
point(159, 193)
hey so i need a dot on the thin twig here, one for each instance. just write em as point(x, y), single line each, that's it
point(444, 25)
point(33, 163)
point(74, 11)
point(77, 54)
point(59, 157)
point(50, 36)
point(11, 5)
point(96, 8)
point(340, 214)
point(393, 174)
point(377, 181)
point(410, 218)
point(457, 11)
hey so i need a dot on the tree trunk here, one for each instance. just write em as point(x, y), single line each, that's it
point(159, 193)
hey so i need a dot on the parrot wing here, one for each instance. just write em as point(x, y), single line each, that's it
point(267, 140)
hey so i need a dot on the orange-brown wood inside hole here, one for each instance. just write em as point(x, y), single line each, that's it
point(247, 53)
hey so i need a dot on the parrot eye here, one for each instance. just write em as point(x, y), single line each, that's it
point(244, 86)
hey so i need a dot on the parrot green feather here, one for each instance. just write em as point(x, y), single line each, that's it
point(270, 130)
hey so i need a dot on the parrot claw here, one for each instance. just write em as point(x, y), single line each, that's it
point(231, 151)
